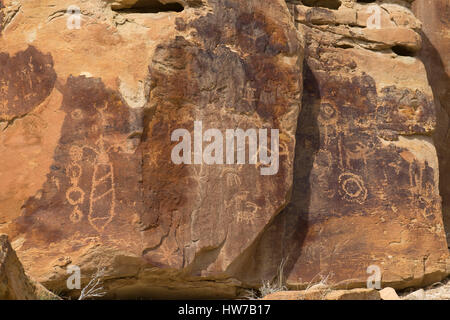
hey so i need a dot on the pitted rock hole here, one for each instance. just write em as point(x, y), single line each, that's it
point(330, 4)
point(149, 6)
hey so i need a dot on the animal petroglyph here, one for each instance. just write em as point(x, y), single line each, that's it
point(242, 209)
point(74, 194)
point(357, 151)
point(247, 216)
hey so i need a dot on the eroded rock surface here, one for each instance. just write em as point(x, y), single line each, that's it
point(435, 54)
point(325, 294)
point(105, 190)
point(14, 283)
point(87, 114)
point(366, 177)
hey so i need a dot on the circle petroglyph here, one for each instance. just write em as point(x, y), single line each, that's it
point(328, 113)
point(77, 114)
point(352, 188)
point(75, 195)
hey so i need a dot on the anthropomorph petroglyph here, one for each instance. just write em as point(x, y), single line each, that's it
point(102, 196)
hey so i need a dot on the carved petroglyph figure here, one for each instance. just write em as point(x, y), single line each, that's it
point(232, 178)
point(249, 95)
point(243, 210)
point(77, 114)
point(422, 191)
point(3, 96)
point(425, 200)
point(102, 199)
point(328, 119)
point(102, 196)
point(74, 194)
point(247, 216)
point(359, 151)
point(351, 185)
point(352, 188)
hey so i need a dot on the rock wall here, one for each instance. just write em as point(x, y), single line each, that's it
point(87, 114)
point(435, 54)
point(366, 177)
point(14, 282)
point(94, 182)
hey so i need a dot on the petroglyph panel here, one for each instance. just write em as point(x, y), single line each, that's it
point(362, 191)
point(100, 175)
point(109, 186)
point(26, 79)
point(435, 54)
point(89, 185)
point(209, 207)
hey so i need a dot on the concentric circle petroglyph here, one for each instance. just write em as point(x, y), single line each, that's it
point(352, 188)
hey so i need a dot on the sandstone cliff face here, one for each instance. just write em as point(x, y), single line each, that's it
point(435, 53)
point(94, 182)
point(365, 164)
point(14, 283)
point(87, 116)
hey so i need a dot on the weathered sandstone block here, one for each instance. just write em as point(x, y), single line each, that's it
point(366, 177)
point(87, 121)
point(435, 16)
point(89, 101)
point(14, 283)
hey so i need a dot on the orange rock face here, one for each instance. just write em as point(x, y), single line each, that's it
point(435, 54)
point(91, 94)
point(14, 283)
point(106, 186)
point(366, 174)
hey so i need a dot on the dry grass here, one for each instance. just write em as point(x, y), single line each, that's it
point(269, 287)
point(94, 289)
point(320, 283)
point(323, 285)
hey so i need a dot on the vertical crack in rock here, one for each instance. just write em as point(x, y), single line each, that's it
point(283, 237)
point(435, 16)
point(370, 192)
